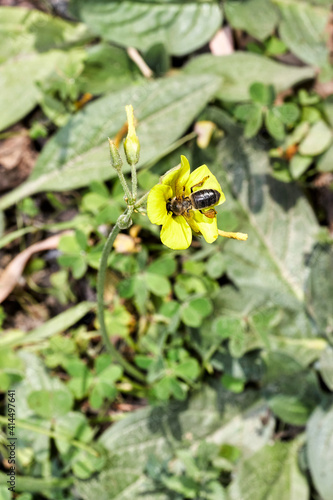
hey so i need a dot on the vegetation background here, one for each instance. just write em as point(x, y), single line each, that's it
point(234, 340)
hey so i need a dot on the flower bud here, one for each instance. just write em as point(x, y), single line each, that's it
point(116, 161)
point(124, 221)
point(131, 143)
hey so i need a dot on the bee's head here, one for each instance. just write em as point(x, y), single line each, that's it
point(175, 206)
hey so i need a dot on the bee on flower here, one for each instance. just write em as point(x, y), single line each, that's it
point(183, 204)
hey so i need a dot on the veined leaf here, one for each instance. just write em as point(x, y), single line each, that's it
point(241, 69)
point(271, 474)
point(320, 450)
point(278, 219)
point(218, 417)
point(180, 26)
point(22, 94)
point(79, 154)
point(303, 30)
point(256, 17)
point(25, 31)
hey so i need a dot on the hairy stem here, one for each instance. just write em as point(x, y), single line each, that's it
point(115, 355)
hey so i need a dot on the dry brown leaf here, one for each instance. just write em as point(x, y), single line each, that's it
point(12, 273)
point(16, 160)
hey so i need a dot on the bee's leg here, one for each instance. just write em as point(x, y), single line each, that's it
point(210, 213)
point(199, 183)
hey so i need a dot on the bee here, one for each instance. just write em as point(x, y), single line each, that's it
point(199, 200)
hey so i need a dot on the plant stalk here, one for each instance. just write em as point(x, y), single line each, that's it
point(115, 355)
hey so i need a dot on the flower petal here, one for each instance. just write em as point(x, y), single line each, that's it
point(176, 233)
point(207, 226)
point(210, 183)
point(177, 177)
point(156, 203)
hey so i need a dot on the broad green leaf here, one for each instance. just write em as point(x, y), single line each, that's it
point(24, 31)
point(218, 417)
point(272, 262)
point(107, 68)
point(257, 17)
point(319, 287)
point(291, 390)
point(241, 69)
point(180, 26)
point(326, 366)
point(320, 450)
point(79, 154)
point(317, 141)
point(271, 474)
point(303, 30)
point(22, 94)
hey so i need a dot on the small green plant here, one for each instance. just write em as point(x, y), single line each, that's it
point(196, 475)
point(262, 110)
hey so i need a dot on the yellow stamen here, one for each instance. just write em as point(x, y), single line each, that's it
point(235, 236)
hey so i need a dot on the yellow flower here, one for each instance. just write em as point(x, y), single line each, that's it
point(177, 230)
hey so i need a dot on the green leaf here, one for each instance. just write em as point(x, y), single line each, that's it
point(256, 17)
point(141, 432)
point(73, 425)
point(317, 141)
point(272, 265)
point(226, 327)
point(325, 162)
point(158, 284)
point(320, 450)
point(262, 94)
point(272, 473)
point(180, 27)
point(24, 31)
point(319, 288)
point(50, 404)
point(292, 391)
point(274, 125)
point(241, 69)
point(232, 384)
point(288, 113)
point(243, 111)
point(22, 95)
point(254, 121)
point(164, 266)
point(326, 366)
point(299, 164)
point(302, 29)
point(193, 313)
point(78, 153)
point(187, 369)
point(215, 266)
point(107, 68)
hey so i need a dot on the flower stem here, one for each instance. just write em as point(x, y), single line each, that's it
point(141, 200)
point(115, 355)
point(125, 187)
point(235, 236)
point(134, 182)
